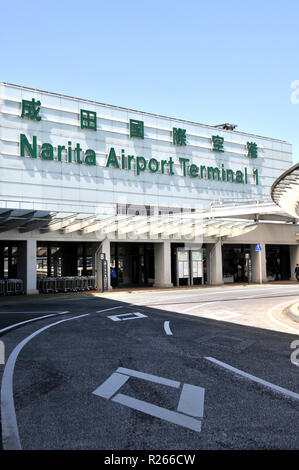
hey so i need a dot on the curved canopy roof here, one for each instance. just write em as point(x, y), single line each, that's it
point(285, 191)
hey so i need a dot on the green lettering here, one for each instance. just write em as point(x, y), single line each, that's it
point(184, 160)
point(163, 163)
point(170, 162)
point(90, 157)
point(139, 167)
point(130, 158)
point(69, 152)
point(112, 158)
point(228, 174)
point(47, 152)
point(193, 171)
point(239, 176)
point(77, 152)
point(213, 170)
point(156, 165)
point(60, 148)
point(24, 143)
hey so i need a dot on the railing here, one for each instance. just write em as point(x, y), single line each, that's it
point(11, 286)
point(65, 284)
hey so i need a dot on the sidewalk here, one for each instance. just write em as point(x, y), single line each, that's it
point(18, 299)
point(293, 312)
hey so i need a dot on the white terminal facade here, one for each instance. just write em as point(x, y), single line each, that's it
point(165, 201)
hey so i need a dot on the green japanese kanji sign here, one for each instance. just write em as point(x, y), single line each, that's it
point(31, 109)
point(252, 149)
point(88, 119)
point(178, 136)
point(217, 142)
point(136, 129)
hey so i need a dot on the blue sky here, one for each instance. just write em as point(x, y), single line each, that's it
point(209, 62)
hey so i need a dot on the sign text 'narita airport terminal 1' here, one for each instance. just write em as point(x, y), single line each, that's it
point(163, 201)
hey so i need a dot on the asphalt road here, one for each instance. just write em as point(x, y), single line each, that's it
point(151, 370)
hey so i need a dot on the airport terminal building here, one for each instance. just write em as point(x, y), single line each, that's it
point(131, 198)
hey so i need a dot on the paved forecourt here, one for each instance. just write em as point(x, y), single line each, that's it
point(112, 375)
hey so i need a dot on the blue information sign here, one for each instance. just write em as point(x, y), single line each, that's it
point(258, 247)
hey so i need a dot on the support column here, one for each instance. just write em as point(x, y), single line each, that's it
point(104, 248)
point(27, 265)
point(163, 264)
point(294, 259)
point(256, 256)
point(84, 265)
point(1, 260)
point(214, 268)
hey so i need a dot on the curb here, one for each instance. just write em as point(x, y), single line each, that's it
point(293, 312)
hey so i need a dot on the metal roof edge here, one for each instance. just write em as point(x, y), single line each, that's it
point(141, 112)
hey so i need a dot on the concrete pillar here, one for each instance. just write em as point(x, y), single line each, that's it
point(294, 259)
point(55, 265)
point(103, 248)
point(163, 264)
point(27, 265)
point(256, 257)
point(214, 264)
point(1, 260)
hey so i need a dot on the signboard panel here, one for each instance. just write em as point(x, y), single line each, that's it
point(71, 154)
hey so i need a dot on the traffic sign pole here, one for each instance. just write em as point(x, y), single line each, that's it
point(259, 249)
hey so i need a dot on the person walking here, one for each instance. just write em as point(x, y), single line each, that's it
point(113, 277)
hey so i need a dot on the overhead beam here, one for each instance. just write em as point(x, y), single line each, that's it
point(59, 223)
point(16, 222)
point(36, 224)
point(78, 224)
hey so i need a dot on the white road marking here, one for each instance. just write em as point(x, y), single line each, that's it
point(10, 327)
point(189, 309)
point(158, 412)
point(269, 313)
point(191, 400)
point(112, 308)
point(127, 316)
point(111, 385)
point(52, 311)
point(149, 377)
point(10, 432)
point(223, 315)
point(167, 328)
point(274, 387)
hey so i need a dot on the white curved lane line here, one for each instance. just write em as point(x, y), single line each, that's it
point(167, 328)
point(10, 432)
point(269, 314)
point(10, 327)
point(50, 311)
point(274, 387)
